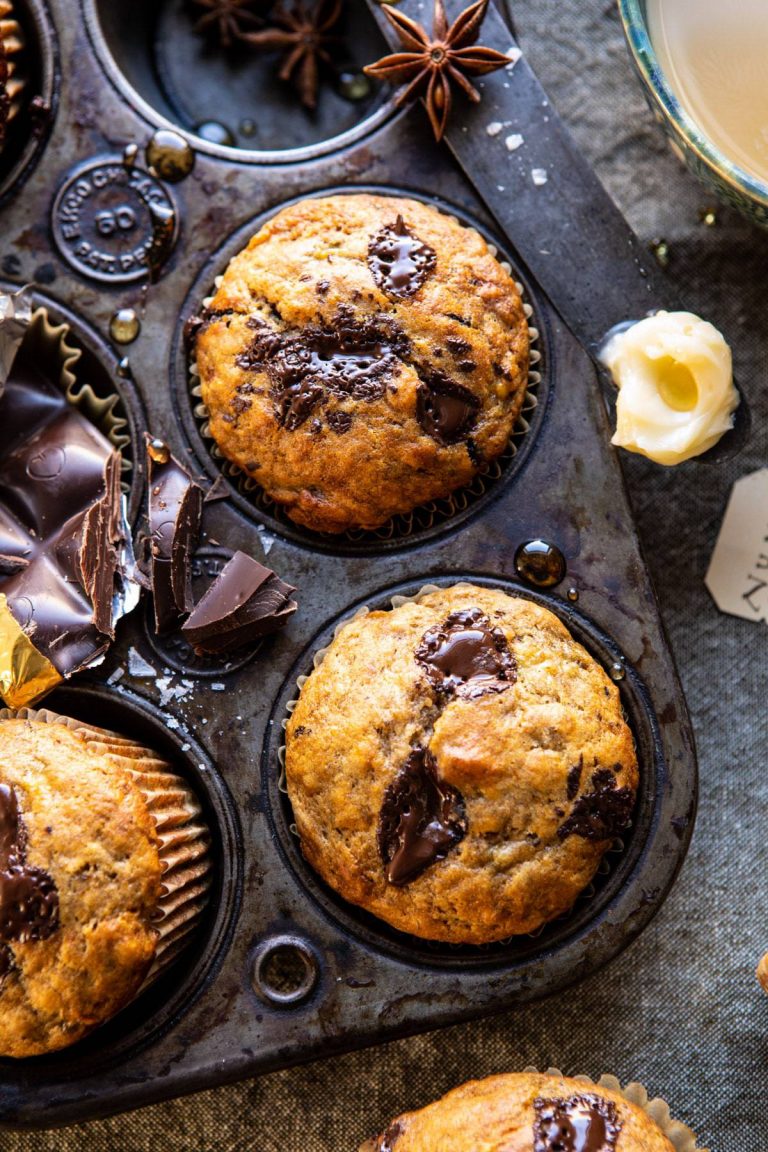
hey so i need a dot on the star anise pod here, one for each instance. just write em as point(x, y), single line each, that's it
point(302, 33)
point(228, 19)
point(430, 64)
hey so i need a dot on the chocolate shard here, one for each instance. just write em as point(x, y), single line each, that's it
point(100, 549)
point(422, 819)
point(446, 411)
point(244, 603)
point(583, 1123)
point(602, 813)
point(29, 898)
point(467, 657)
point(175, 514)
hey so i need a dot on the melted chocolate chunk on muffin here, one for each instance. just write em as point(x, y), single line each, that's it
point(528, 1112)
point(466, 656)
point(583, 1123)
point(422, 818)
point(430, 765)
point(29, 899)
point(363, 355)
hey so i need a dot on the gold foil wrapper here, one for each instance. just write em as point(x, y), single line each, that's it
point(25, 674)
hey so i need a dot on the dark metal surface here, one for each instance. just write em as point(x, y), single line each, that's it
point(210, 1021)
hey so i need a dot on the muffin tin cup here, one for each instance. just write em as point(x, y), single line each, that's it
point(680, 1136)
point(619, 861)
point(200, 848)
point(89, 375)
point(423, 521)
point(182, 838)
point(166, 91)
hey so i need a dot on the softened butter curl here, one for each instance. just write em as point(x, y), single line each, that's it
point(676, 392)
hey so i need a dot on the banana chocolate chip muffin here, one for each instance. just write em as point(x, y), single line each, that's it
point(364, 354)
point(532, 1112)
point(459, 765)
point(104, 871)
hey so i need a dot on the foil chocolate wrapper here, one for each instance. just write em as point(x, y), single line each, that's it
point(15, 318)
point(25, 674)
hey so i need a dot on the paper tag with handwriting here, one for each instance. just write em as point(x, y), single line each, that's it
point(738, 571)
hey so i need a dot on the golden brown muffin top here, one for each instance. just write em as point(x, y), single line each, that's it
point(364, 354)
point(525, 1112)
point(73, 819)
point(459, 765)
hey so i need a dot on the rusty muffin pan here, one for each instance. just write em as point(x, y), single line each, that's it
point(284, 970)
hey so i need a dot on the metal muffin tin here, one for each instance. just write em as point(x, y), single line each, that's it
point(285, 971)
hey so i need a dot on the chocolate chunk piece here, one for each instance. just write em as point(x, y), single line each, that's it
point(100, 549)
point(352, 356)
point(467, 657)
point(603, 813)
point(422, 819)
point(175, 513)
point(399, 261)
point(583, 1123)
point(574, 779)
point(245, 602)
point(29, 899)
point(445, 410)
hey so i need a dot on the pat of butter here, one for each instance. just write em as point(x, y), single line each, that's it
point(676, 391)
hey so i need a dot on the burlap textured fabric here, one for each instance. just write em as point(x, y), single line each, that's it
point(681, 1010)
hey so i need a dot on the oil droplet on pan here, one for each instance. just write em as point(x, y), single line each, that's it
point(130, 152)
point(215, 133)
point(617, 671)
point(124, 326)
point(169, 156)
point(540, 563)
point(573, 594)
point(354, 86)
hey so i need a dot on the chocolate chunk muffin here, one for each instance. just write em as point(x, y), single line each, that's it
point(459, 765)
point(104, 870)
point(529, 1112)
point(363, 355)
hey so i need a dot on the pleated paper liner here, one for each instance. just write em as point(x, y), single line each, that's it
point(679, 1135)
point(425, 516)
point(604, 869)
point(51, 348)
point(183, 838)
point(12, 40)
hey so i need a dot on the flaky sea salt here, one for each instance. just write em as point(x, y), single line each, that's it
point(494, 128)
point(514, 54)
point(513, 142)
point(539, 176)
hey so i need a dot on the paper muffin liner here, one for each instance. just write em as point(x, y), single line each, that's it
point(183, 838)
point(604, 868)
point(682, 1138)
point(58, 357)
point(12, 39)
point(425, 516)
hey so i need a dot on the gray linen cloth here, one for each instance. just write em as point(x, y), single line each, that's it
point(680, 1011)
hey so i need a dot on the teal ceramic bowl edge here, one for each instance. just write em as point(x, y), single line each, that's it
point(705, 160)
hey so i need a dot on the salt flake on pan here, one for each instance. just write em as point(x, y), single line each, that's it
point(513, 142)
point(138, 667)
point(539, 176)
point(514, 54)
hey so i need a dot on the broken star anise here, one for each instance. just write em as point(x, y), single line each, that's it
point(430, 64)
point(227, 19)
point(302, 33)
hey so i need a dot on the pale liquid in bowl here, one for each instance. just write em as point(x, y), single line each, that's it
point(714, 55)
